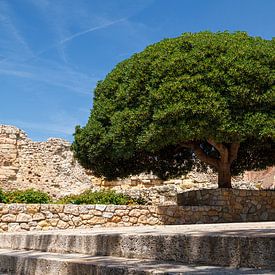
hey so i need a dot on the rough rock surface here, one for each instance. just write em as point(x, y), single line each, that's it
point(48, 166)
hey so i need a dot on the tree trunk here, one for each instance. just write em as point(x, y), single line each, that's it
point(224, 176)
point(227, 154)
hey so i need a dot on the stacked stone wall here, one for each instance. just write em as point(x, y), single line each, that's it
point(221, 206)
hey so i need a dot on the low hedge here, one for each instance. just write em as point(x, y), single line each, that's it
point(87, 197)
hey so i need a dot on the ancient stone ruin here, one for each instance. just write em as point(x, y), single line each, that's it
point(48, 166)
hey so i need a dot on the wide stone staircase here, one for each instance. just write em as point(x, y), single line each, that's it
point(236, 248)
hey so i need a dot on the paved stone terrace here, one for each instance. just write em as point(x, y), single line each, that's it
point(235, 248)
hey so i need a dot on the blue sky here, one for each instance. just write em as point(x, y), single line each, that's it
point(53, 52)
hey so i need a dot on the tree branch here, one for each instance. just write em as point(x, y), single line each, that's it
point(195, 146)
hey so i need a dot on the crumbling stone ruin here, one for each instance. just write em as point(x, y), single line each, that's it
point(48, 166)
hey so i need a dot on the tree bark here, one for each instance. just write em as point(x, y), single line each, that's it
point(224, 176)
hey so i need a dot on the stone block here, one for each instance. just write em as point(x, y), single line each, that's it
point(22, 217)
point(100, 207)
point(38, 217)
point(33, 208)
point(8, 218)
point(62, 225)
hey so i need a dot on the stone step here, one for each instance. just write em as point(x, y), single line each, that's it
point(236, 245)
point(30, 262)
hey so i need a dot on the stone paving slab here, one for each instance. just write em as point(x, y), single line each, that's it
point(44, 263)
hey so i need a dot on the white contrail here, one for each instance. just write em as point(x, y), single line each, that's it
point(91, 30)
point(67, 39)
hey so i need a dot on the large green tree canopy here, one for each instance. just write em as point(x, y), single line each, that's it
point(206, 96)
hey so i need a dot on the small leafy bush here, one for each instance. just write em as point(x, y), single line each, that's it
point(27, 196)
point(3, 198)
point(100, 197)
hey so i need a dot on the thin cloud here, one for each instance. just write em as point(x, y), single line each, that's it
point(9, 25)
point(53, 74)
point(16, 73)
point(103, 26)
point(13, 44)
point(70, 38)
point(47, 127)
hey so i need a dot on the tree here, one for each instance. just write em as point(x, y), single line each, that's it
point(206, 96)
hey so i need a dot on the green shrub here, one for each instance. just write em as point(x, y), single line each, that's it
point(27, 196)
point(100, 197)
point(3, 198)
point(87, 197)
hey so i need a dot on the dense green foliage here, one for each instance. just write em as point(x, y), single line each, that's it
point(184, 95)
point(27, 196)
point(100, 197)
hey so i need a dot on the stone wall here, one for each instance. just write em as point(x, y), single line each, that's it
point(205, 206)
point(48, 166)
point(242, 204)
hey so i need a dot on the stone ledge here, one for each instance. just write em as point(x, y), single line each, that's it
point(235, 245)
point(39, 263)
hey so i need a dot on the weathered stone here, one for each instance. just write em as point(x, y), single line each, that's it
point(53, 222)
point(107, 215)
point(94, 212)
point(8, 218)
point(25, 226)
point(125, 218)
point(16, 208)
point(3, 209)
point(135, 213)
point(85, 216)
point(97, 220)
point(62, 225)
point(54, 208)
point(100, 207)
point(64, 217)
point(33, 208)
point(133, 220)
point(14, 227)
point(48, 166)
point(116, 219)
point(22, 217)
point(77, 221)
point(38, 217)
point(4, 226)
point(83, 209)
point(71, 209)
point(121, 212)
point(43, 223)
